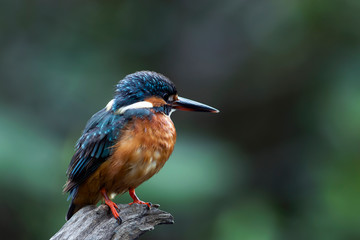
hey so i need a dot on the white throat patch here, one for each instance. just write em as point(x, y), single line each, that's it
point(171, 111)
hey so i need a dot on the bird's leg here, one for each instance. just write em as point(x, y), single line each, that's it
point(136, 199)
point(113, 207)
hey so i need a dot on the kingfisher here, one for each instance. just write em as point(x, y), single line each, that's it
point(126, 142)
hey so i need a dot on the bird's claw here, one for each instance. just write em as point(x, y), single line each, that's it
point(155, 205)
point(113, 208)
point(148, 204)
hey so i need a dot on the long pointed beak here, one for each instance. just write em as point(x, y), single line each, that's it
point(190, 105)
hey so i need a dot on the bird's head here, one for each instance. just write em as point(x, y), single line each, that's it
point(147, 89)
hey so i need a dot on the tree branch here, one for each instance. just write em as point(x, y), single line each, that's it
point(93, 222)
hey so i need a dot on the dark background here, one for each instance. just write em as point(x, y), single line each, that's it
point(281, 160)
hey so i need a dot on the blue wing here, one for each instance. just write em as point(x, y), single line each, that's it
point(93, 147)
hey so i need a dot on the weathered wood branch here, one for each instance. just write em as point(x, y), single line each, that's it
point(93, 222)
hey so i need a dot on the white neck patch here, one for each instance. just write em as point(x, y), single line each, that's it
point(138, 105)
point(109, 105)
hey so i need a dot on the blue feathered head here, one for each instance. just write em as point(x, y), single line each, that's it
point(138, 86)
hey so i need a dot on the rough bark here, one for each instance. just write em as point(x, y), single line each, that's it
point(93, 222)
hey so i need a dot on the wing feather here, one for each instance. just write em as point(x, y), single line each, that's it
point(93, 147)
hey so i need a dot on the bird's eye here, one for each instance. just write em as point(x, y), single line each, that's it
point(166, 97)
point(172, 98)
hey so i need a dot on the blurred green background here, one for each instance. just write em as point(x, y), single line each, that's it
point(281, 160)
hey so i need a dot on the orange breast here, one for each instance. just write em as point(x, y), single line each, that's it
point(143, 149)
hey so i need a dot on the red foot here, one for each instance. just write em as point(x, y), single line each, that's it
point(136, 199)
point(113, 207)
point(141, 202)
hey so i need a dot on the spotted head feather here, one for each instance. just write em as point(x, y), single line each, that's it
point(141, 85)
